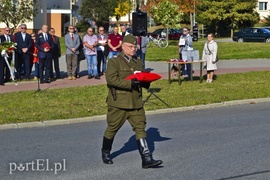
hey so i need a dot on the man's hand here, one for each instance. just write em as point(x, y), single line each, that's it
point(114, 49)
point(73, 50)
point(46, 49)
point(145, 85)
point(24, 50)
point(135, 83)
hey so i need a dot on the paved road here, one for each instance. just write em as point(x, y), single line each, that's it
point(213, 144)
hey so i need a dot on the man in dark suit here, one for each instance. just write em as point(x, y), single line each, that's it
point(24, 44)
point(56, 54)
point(7, 37)
point(44, 54)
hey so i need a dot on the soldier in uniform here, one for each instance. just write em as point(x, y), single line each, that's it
point(125, 102)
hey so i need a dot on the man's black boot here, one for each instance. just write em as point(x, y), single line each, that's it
point(106, 149)
point(147, 159)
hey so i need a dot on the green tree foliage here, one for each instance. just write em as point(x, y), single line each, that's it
point(83, 26)
point(267, 20)
point(14, 12)
point(236, 13)
point(98, 11)
point(167, 13)
point(122, 9)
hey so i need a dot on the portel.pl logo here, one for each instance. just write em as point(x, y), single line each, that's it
point(38, 165)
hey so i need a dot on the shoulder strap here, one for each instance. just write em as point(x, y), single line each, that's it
point(209, 49)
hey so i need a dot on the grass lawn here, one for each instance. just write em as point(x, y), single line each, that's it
point(62, 45)
point(28, 106)
point(226, 50)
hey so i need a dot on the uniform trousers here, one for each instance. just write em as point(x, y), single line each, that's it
point(116, 117)
point(72, 63)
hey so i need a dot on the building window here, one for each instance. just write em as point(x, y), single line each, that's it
point(263, 6)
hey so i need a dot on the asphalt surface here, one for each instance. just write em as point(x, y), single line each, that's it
point(230, 142)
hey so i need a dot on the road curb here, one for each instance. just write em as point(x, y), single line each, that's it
point(48, 123)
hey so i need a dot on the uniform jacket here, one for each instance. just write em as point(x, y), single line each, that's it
point(117, 71)
point(27, 43)
point(40, 39)
point(72, 43)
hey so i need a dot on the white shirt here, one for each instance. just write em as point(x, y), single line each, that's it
point(45, 36)
point(23, 36)
point(7, 38)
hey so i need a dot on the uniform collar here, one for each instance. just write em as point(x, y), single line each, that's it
point(127, 58)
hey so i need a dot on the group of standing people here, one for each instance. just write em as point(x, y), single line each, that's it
point(97, 47)
point(30, 51)
point(209, 54)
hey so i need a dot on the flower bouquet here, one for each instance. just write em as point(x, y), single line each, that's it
point(7, 48)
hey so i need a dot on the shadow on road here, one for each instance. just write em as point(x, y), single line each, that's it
point(153, 135)
point(245, 175)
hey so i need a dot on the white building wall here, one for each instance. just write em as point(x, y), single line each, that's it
point(263, 8)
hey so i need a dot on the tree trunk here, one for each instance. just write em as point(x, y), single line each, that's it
point(191, 22)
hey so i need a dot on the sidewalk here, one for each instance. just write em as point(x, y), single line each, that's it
point(226, 66)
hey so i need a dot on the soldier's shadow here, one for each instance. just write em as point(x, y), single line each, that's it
point(153, 135)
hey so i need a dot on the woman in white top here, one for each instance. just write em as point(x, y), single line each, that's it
point(210, 51)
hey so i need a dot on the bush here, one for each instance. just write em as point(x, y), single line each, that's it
point(83, 26)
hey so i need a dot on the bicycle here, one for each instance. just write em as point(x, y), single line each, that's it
point(160, 42)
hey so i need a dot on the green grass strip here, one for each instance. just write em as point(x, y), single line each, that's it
point(226, 51)
point(51, 104)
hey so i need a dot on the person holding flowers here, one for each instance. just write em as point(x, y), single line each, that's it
point(6, 49)
point(6, 37)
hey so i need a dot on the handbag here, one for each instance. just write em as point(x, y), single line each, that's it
point(106, 50)
point(81, 55)
point(212, 53)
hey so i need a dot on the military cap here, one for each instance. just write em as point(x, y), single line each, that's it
point(130, 39)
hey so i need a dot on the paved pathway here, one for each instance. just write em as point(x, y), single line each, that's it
point(226, 66)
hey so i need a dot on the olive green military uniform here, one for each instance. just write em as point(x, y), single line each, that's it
point(127, 103)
